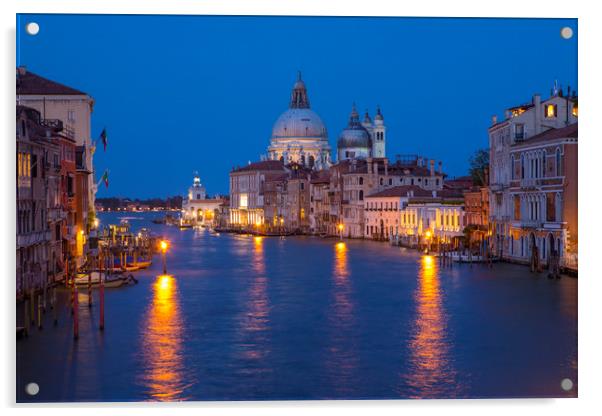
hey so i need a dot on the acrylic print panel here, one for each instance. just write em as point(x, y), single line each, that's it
point(275, 208)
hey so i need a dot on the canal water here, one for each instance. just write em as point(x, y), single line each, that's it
point(249, 318)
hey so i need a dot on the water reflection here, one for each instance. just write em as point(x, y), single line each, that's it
point(162, 342)
point(255, 322)
point(431, 370)
point(342, 360)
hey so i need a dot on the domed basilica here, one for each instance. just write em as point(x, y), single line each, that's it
point(299, 135)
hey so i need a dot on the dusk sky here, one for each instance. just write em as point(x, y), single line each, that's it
point(179, 94)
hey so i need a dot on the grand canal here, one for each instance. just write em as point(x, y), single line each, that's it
point(247, 318)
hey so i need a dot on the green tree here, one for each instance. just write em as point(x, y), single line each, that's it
point(479, 164)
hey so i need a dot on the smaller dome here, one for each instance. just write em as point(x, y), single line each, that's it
point(351, 138)
point(354, 135)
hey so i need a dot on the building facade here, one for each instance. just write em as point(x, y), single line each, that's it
point(69, 105)
point(525, 149)
point(198, 209)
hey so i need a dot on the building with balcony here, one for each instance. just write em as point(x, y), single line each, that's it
point(533, 182)
point(67, 105)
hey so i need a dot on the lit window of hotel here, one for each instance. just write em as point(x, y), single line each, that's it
point(550, 110)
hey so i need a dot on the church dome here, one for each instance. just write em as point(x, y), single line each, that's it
point(354, 135)
point(299, 123)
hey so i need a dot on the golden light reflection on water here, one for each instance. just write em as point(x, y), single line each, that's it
point(342, 361)
point(256, 311)
point(163, 367)
point(431, 370)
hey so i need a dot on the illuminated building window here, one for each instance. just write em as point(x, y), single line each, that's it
point(244, 200)
point(550, 110)
point(575, 110)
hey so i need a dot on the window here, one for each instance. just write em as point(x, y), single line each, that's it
point(381, 181)
point(544, 163)
point(361, 180)
point(34, 166)
point(550, 110)
point(522, 166)
point(550, 207)
point(512, 167)
point(71, 115)
point(361, 195)
point(519, 131)
point(390, 181)
point(558, 162)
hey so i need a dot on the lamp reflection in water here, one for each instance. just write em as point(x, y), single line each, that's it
point(430, 365)
point(162, 349)
point(342, 356)
point(255, 319)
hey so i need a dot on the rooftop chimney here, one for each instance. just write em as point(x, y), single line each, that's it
point(432, 162)
point(493, 119)
point(22, 70)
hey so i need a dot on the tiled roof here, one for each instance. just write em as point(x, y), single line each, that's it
point(570, 131)
point(402, 190)
point(29, 83)
point(273, 165)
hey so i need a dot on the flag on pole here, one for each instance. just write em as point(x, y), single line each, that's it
point(105, 178)
point(103, 137)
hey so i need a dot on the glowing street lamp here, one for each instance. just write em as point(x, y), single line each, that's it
point(164, 245)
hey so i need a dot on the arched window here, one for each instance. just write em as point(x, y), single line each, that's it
point(522, 166)
point(361, 194)
point(543, 164)
point(381, 181)
point(558, 162)
point(361, 180)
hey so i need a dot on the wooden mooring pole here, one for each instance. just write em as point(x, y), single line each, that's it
point(75, 313)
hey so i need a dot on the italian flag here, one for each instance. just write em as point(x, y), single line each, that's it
point(105, 178)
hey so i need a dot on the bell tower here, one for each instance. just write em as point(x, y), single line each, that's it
point(379, 135)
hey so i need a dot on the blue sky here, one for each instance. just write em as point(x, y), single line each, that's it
point(185, 93)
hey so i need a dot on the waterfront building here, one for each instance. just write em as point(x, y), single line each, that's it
point(247, 189)
point(351, 180)
point(525, 150)
point(476, 212)
point(198, 208)
point(361, 140)
point(299, 135)
point(37, 203)
point(411, 215)
point(69, 105)
point(543, 190)
point(297, 197)
point(319, 212)
point(275, 200)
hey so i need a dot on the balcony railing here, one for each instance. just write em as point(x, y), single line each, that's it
point(36, 237)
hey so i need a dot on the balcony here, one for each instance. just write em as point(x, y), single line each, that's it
point(529, 183)
point(36, 237)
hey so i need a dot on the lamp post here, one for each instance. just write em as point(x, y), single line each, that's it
point(340, 227)
point(164, 245)
point(428, 240)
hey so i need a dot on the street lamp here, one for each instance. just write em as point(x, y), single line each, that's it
point(340, 227)
point(163, 245)
point(428, 239)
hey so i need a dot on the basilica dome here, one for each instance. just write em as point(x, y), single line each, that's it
point(354, 135)
point(299, 123)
